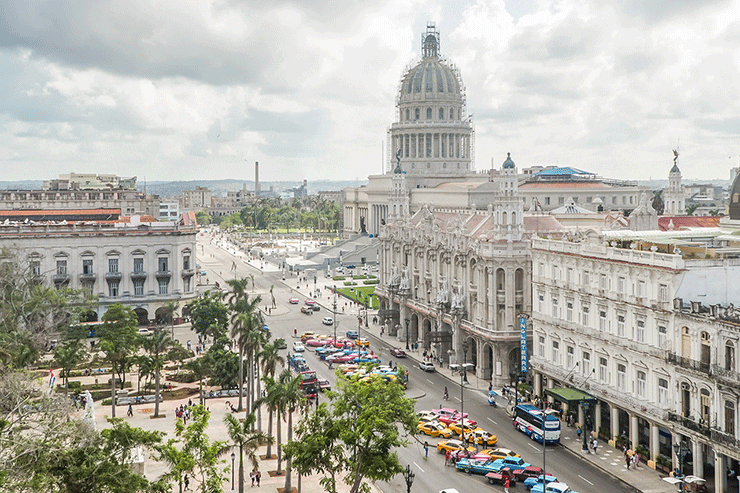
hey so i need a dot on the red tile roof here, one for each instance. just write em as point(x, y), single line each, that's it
point(681, 222)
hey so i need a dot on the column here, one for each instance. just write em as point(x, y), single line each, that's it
point(550, 385)
point(615, 422)
point(581, 417)
point(654, 440)
point(698, 458)
point(675, 440)
point(633, 430)
point(537, 382)
point(719, 472)
point(597, 417)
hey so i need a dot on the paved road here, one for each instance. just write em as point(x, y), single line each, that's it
point(431, 474)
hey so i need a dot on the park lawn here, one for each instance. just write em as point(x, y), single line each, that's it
point(364, 291)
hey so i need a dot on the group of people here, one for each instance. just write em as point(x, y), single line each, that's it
point(255, 475)
point(631, 460)
point(183, 412)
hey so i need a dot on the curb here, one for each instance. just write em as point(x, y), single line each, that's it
point(603, 469)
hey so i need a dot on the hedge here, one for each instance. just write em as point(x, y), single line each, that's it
point(370, 281)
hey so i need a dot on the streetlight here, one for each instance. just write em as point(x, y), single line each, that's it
point(409, 476)
point(465, 363)
point(681, 452)
point(335, 313)
point(233, 456)
point(407, 334)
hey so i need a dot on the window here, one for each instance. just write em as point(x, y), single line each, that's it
point(569, 311)
point(640, 335)
point(441, 114)
point(163, 264)
point(186, 284)
point(729, 356)
point(602, 281)
point(641, 289)
point(555, 273)
point(541, 346)
point(621, 377)
point(35, 267)
point(555, 307)
point(452, 114)
point(561, 200)
point(429, 113)
point(416, 114)
point(603, 375)
point(547, 200)
point(555, 352)
point(602, 320)
point(586, 363)
point(586, 279)
point(138, 264)
point(662, 392)
point(662, 337)
point(61, 267)
point(620, 325)
point(186, 262)
point(620, 285)
point(569, 275)
point(541, 302)
point(730, 418)
point(113, 265)
point(585, 318)
point(662, 292)
point(407, 115)
point(163, 285)
point(87, 266)
point(138, 287)
point(641, 384)
point(570, 353)
point(113, 287)
point(541, 269)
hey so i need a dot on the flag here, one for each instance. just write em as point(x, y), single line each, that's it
point(52, 379)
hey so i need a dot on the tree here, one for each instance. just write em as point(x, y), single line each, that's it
point(365, 422)
point(256, 338)
point(209, 315)
point(206, 454)
point(201, 367)
point(203, 217)
point(658, 203)
point(273, 401)
point(66, 356)
point(248, 441)
point(292, 397)
point(690, 208)
point(269, 358)
point(169, 309)
point(119, 341)
point(157, 345)
point(245, 318)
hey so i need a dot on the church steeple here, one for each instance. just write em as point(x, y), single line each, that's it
point(508, 204)
point(430, 41)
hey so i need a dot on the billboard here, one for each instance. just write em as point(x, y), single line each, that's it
point(523, 342)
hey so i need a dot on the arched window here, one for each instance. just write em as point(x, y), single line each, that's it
point(729, 356)
point(417, 113)
point(452, 114)
point(429, 113)
point(441, 114)
point(407, 115)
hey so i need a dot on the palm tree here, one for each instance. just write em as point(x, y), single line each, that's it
point(244, 323)
point(157, 345)
point(273, 400)
point(292, 398)
point(169, 311)
point(247, 440)
point(201, 367)
point(269, 359)
point(256, 339)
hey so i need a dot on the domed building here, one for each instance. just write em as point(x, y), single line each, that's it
point(432, 134)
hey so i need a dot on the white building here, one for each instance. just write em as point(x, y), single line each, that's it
point(169, 211)
point(143, 265)
point(674, 196)
point(195, 200)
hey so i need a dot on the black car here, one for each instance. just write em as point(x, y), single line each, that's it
point(316, 307)
point(398, 352)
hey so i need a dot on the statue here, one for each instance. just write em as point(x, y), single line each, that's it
point(398, 162)
point(675, 156)
point(362, 225)
point(443, 296)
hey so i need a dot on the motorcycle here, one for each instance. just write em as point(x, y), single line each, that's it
point(492, 398)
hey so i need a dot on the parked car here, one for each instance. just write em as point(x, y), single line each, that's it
point(452, 445)
point(500, 477)
point(324, 384)
point(309, 302)
point(308, 335)
point(298, 347)
point(328, 321)
point(450, 419)
point(427, 366)
point(552, 488)
point(434, 429)
point(530, 483)
point(144, 332)
point(307, 310)
point(294, 301)
point(398, 352)
point(467, 426)
point(513, 463)
point(499, 453)
point(352, 334)
point(477, 466)
point(316, 307)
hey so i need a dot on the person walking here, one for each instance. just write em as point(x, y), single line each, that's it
point(426, 450)
point(627, 459)
point(252, 477)
point(187, 482)
point(506, 484)
point(257, 476)
point(594, 445)
point(130, 411)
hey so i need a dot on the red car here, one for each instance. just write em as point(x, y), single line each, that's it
point(309, 302)
point(318, 342)
point(294, 301)
point(455, 418)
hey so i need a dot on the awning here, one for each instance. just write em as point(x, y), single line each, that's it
point(570, 395)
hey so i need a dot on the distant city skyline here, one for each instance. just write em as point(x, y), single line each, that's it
point(187, 91)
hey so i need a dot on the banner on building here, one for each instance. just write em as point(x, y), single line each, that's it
point(523, 341)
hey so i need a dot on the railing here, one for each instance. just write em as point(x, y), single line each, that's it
point(690, 364)
point(720, 436)
point(164, 273)
point(113, 275)
point(733, 376)
point(690, 424)
point(138, 274)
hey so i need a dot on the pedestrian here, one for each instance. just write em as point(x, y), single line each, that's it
point(426, 450)
point(506, 484)
point(447, 457)
point(252, 477)
point(578, 430)
point(187, 482)
point(130, 411)
point(257, 476)
point(595, 444)
point(627, 458)
point(636, 460)
point(490, 386)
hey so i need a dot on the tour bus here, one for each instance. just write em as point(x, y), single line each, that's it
point(528, 419)
point(309, 383)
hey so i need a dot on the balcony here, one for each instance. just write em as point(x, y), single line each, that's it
point(690, 424)
point(88, 277)
point(60, 277)
point(187, 272)
point(727, 375)
point(164, 273)
point(720, 436)
point(113, 275)
point(689, 364)
point(138, 274)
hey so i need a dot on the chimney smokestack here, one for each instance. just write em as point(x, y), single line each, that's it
point(256, 178)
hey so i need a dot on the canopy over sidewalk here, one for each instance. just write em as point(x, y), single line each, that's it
point(570, 395)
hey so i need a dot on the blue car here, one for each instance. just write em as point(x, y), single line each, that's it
point(471, 466)
point(553, 487)
point(513, 463)
point(529, 483)
point(352, 334)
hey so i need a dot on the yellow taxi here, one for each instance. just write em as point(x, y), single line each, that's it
point(499, 453)
point(434, 430)
point(362, 342)
point(481, 437)
point(467, 427)
point(452, 445)
point(307, 335)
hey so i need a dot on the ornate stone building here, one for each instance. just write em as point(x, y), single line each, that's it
point(674, 199)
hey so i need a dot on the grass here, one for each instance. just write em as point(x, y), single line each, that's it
point(358, 292)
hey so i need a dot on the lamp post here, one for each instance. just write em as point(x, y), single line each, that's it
point(463, 368)
point(462, 387)
point(409, 477)
point(334, 312)
point(407, 334)
point(681, 450)
point(233, 456)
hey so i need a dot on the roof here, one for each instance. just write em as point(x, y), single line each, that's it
point(683, 222)
point(58, 212)
point(569, 395)
point(564, 184)
point(567, 170)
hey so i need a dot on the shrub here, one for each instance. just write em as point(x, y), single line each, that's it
point(106, 402)
point(75, 385)
point(338, 278)
point(349, 283)
point(370, 281)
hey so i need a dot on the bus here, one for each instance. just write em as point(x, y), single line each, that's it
point(528, 419)
point(309, 383)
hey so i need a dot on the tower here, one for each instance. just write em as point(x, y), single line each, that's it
point(674, 200)
point(399, 199)
point(508, 205)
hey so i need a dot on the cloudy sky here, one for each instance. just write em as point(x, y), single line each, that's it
point(181, 89)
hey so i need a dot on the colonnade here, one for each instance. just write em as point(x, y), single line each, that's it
point(432, 145)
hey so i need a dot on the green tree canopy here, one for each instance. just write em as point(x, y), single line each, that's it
point(119, 341)
point(209, 315)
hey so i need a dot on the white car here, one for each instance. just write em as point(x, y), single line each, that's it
point(328, 321)
point(427, 366)
point(298, 347)
point(144, 332)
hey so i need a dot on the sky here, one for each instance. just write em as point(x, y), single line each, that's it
point(187, 90)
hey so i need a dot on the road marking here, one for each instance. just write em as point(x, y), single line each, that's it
point(430, 381)
point(536, 448)
point(586, 480)
point(492, 421)
point(458, 399)
point(417, 465)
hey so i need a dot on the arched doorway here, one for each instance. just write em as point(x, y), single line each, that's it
point(143, 315)
point(486, 371)
point(427, 330)
point(162, 317)
point(88, 316)
point(414, 329)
